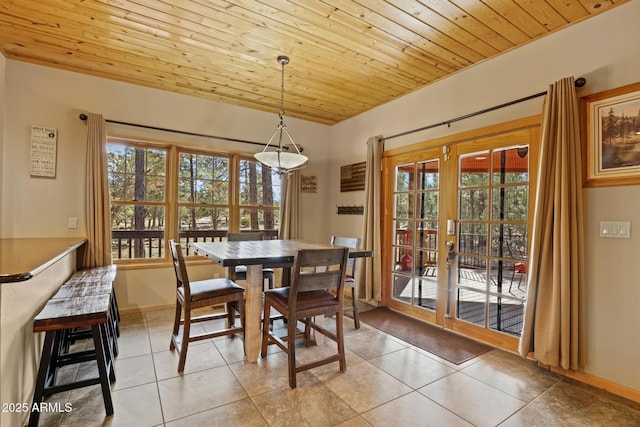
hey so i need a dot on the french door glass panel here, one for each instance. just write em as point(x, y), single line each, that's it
point(493, 195)
point(416, 222)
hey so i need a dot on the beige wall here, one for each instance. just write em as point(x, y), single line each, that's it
point(3, 66)
point(604, 51)
point(20, 348)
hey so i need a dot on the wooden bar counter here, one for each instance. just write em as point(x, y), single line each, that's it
point(31, 271)
point(21, 259)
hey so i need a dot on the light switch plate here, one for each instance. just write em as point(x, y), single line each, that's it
point(73, 222)
point(615, 229)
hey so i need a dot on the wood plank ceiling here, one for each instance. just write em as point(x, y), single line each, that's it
point(346, 56)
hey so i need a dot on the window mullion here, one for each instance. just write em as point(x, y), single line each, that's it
point(171, 231)
point(234, 194)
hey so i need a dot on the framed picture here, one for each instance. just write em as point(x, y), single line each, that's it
point(309, 184)
point(611, 133)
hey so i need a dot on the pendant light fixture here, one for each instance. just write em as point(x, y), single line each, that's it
point(279, 156)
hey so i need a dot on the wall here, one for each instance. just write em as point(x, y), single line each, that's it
point(21, 348)
point(3, 66)
point(602, 49)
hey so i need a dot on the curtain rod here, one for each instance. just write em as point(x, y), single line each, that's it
point(84, 117)
point(580, 81)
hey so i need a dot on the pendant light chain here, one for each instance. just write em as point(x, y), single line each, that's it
point(283, 60)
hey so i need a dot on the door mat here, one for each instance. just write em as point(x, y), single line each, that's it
point(445, 344)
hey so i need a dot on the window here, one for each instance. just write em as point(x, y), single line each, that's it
point(137, 186)
point(163, 192)
point(259, 198)
point(203, 196)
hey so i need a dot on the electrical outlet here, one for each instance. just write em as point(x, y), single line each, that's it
point(73, 222)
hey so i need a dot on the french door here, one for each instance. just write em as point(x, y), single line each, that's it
point(457, 233)
point(415, 231)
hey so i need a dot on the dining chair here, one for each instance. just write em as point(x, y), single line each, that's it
point(315, 273)
point(241, 270)
point(197, 294)
point(350, 280)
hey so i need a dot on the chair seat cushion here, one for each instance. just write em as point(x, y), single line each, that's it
point(212, 288)
point(306, 300)
point(243, 269)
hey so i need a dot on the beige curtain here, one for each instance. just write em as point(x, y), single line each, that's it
point(370, 270)
point(553, 329)
point(98, 216)
point(290, 208)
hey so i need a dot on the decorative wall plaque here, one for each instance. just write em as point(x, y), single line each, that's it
point(352, 177)
point(43, 151)
point(309, 184)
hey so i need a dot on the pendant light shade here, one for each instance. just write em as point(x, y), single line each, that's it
point(281, 157)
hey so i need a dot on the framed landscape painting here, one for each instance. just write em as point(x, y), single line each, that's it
point(611, 131)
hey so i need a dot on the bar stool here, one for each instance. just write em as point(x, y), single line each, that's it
point(79, 289)
point(61, 314)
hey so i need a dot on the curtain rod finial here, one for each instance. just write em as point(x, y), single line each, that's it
point(83, 116)
point(580, 81)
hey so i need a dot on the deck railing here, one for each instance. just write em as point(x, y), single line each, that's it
point(134, 244)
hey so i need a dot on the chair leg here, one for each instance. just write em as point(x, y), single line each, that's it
point(184, 342)
point(354, 302)
point(176, 326)
point(241, 309)
point(307, 331)
point(265, 329)
point(231, 314)
point(291, 350)
point(340, 339)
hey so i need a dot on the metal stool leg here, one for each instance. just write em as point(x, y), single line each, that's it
point(101, 349)
point(43, 372)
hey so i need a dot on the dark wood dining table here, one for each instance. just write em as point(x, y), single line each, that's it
point(256, 255)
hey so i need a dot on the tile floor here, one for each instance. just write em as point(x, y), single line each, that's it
point(388, 383)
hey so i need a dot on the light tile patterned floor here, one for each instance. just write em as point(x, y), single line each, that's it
point(388, 383)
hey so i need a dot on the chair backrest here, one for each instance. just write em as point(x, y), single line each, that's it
point(318, 269)
point(349, 242)
point(179, 266)
point(239, 237)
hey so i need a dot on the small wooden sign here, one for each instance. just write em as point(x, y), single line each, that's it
point(352, 177)
point(43, 151)
point(309, 184)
